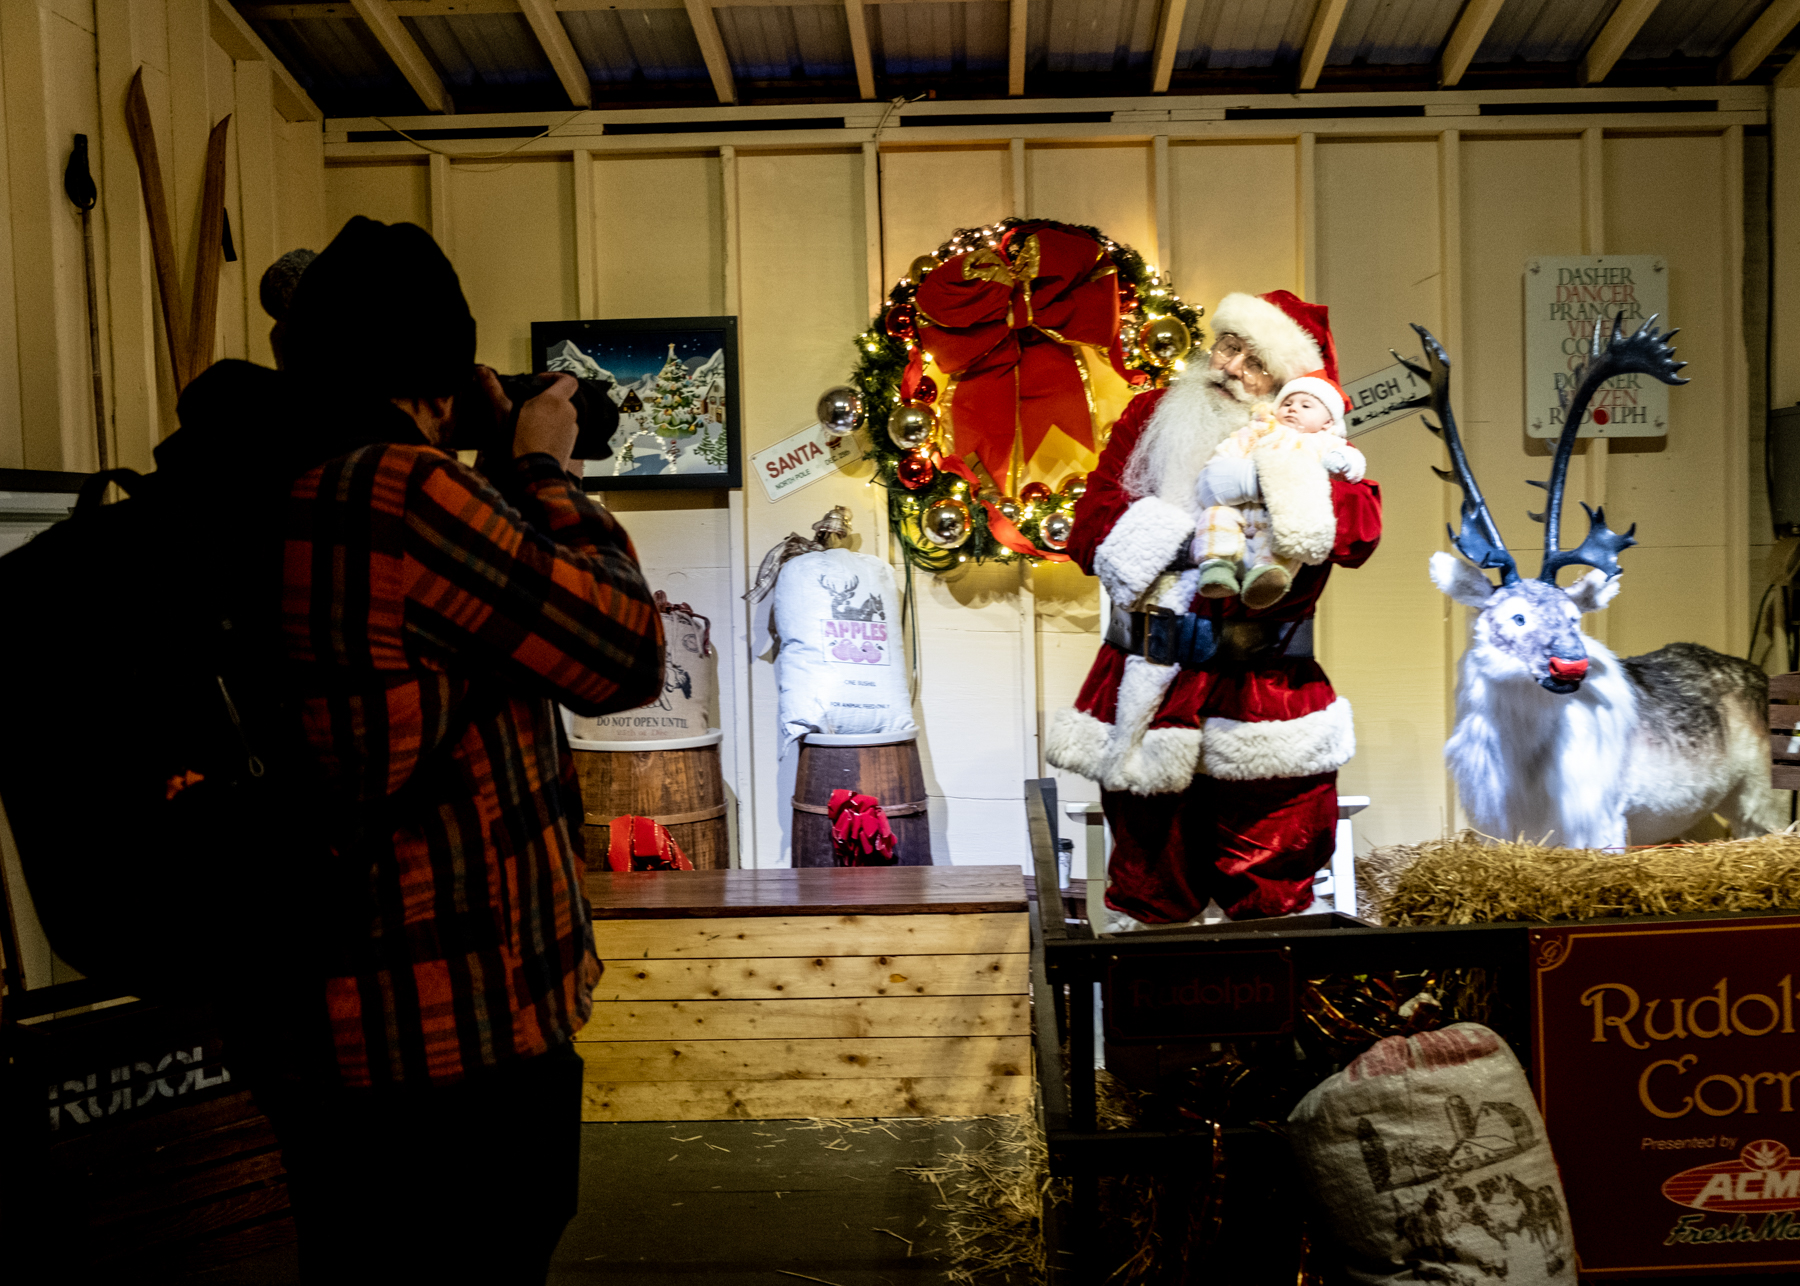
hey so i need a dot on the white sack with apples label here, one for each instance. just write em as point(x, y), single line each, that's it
point(689, 667)
point(840, 669)
point(1429, 1158)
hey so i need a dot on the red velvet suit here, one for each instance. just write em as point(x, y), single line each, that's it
point(1220, 782)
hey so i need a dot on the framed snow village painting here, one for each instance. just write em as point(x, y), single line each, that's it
point(675, 382)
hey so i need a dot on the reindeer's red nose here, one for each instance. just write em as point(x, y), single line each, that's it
point(1575, 670)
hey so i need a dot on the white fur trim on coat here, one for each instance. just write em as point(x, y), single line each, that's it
point(1077, 743)
point(1143, 542)
point(1286, 350)
point(1296, 491)
point(1163, 761)
point(1323, 741)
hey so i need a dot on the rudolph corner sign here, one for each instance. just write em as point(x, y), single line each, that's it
point(1667, 1056)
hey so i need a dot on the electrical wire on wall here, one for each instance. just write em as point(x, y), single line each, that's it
point(491, 156)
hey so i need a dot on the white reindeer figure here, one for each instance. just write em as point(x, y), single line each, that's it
point(1557, 740)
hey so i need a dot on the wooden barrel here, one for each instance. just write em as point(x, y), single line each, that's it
point(678, 783)
point(884, 766)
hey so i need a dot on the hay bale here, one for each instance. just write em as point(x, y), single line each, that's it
point(1469, 879)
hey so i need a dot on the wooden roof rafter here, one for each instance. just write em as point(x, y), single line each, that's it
point(712, 49)
point(398, 43)
point(1771, 27)
point(1168, 41)
point(559, 49)
point(1017, 17)
point(1319, 39)
point(237, 38)
point(859, 48)
point(1615, 38)
point(1465, 38)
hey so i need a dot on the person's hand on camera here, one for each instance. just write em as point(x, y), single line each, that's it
point(547, 422)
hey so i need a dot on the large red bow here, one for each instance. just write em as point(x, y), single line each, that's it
point(1002, 323)
point(859, 830)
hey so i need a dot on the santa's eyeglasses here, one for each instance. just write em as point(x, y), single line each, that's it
point(1230, 347)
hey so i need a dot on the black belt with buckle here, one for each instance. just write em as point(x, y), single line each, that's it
point(1192, 641)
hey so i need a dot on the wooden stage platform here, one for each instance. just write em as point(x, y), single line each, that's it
point(839, 992)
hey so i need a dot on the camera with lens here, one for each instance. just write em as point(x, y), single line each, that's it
point(480, 427)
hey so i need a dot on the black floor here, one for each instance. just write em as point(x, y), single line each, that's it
point(736, 1203)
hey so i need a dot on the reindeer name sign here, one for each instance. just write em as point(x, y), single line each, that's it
point(1666, 1054)
point(1564, 296)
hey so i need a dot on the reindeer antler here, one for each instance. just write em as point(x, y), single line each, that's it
point(1645, 352)
point(1479, 540)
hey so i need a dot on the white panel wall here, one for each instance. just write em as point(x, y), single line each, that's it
point(1432, 228)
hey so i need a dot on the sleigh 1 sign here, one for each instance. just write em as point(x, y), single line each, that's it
point(1564, 296)
point(1666, 1058)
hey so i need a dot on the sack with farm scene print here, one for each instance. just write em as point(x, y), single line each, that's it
point(840, 669)
point(690, 666)
point(1428, 1156)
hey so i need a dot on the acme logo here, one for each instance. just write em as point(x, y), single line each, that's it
point(1760, 1179)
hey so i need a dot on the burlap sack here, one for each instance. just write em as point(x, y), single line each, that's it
point(1429, 1158)
point(688, 685)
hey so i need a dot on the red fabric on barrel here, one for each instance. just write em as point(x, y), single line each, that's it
point(859, 830)
point(643, 844)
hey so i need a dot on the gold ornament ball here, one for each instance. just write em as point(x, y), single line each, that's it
point(1165, 339)
point(946, 524)
point(1056, 529)
point(1075, 487)
point(1009, 508)
point(911, 425)
point(920, 268)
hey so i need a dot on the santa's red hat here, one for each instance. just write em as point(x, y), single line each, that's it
point(1290, 335)
point(1323, 387)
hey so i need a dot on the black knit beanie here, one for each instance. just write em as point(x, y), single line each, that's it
point(380, 314)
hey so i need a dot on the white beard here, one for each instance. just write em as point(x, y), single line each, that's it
point(1198, 412)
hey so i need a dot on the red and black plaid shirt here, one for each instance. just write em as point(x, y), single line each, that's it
point(410, 587)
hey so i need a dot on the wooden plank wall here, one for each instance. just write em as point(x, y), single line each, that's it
point(64, 65)
point(709, 1019)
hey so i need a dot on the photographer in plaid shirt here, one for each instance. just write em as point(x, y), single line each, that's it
point(427, 1094)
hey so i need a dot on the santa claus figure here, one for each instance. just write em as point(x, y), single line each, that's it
point(1214, 734)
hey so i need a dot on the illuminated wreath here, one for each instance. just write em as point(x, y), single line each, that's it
point(1007, 337)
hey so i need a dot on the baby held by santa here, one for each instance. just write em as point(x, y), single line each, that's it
point(1237, 546)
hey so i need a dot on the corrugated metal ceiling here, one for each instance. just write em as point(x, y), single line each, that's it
point(1090, 35)
point(1393, 33)
point(1544, 31)
point(787, 42)
point(619, 44)
point(942, 39)
point(492, 60)
point(1235, 34)
point(1694, 28)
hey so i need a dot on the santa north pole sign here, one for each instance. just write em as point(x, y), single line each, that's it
point(1667, 1057)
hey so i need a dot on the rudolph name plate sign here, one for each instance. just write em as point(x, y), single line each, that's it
point(1564, 296)
point(1667, 1055)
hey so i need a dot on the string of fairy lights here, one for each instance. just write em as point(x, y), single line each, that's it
point(940, 524)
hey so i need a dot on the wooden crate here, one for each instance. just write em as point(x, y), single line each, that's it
point(873, 991)
point(132, 1152)
point(1784, 731)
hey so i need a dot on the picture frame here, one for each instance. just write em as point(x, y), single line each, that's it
point(676, 381)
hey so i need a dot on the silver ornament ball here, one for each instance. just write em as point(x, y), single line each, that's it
point(1055, 529)
point(840, 409)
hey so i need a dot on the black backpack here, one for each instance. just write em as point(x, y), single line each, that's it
point(151, 774)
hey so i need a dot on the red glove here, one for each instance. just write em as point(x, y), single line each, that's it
point(859, 830)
